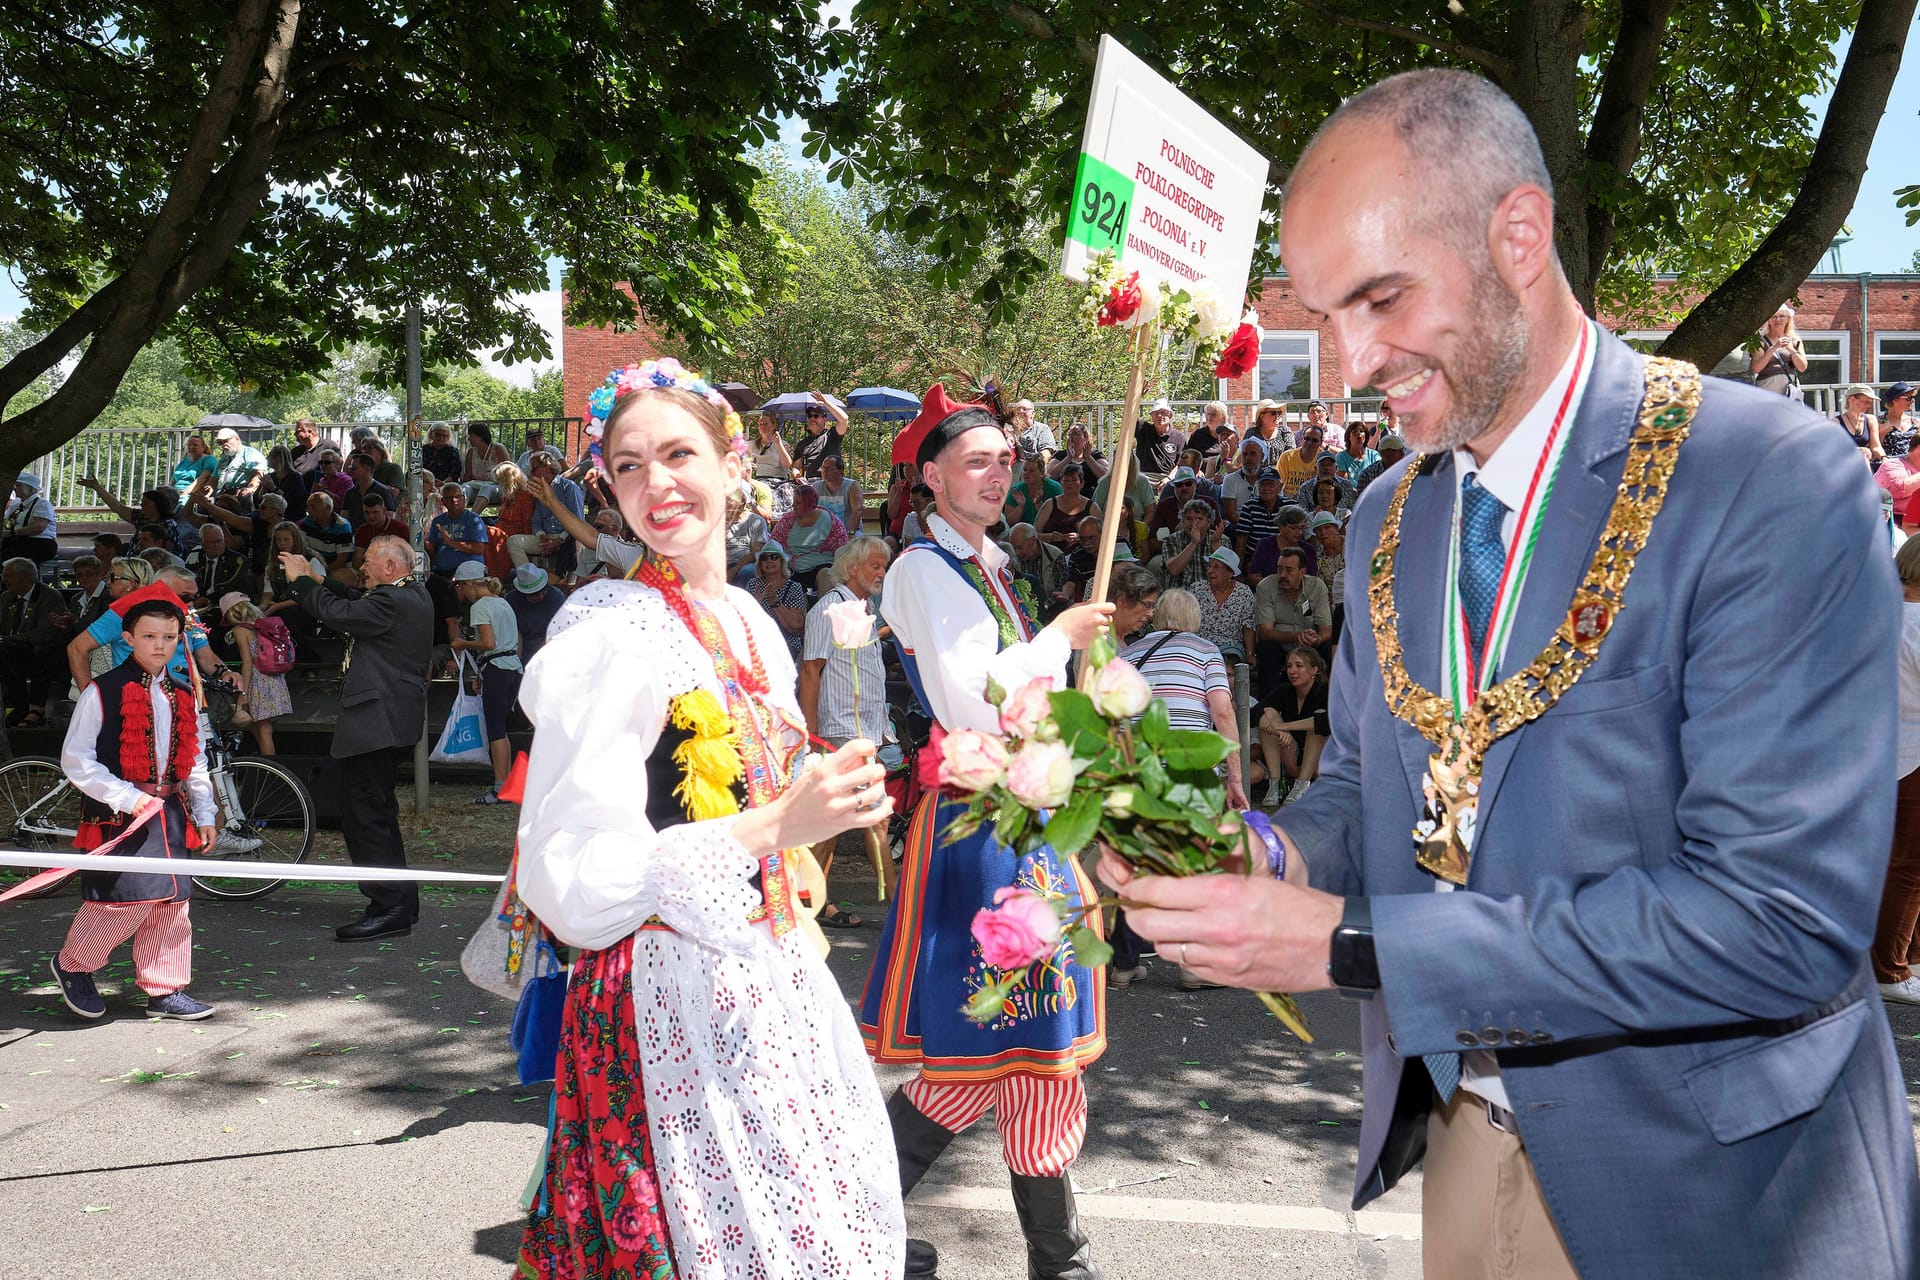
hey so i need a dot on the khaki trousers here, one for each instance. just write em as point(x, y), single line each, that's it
point(1482, 1214)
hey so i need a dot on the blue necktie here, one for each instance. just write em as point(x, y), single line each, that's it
point(1483, 558)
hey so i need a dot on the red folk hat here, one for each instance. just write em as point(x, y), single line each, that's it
point(941, 421)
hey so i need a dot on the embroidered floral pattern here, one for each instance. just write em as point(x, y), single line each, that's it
point(599, 1215)
point(1051, 989)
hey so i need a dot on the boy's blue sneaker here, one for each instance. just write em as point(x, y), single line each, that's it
point(78, 992)
point(177, 1004)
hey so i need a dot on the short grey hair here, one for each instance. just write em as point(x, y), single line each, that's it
point(20, 564)
point(1024, 529)
point(1197, 504)
point(1217, 405)
point(1177, 610)
point(1290, 514)
point(179, 579)
point(1132, 582)
point(1463, 128)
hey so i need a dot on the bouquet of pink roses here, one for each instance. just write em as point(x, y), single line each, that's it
point(1107, 764)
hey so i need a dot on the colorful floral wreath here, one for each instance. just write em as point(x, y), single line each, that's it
point(665, 373)
point(1199, 314)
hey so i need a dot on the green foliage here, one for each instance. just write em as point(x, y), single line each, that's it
point(1908, 198)
point(15, 338)
point(968, 116)
point(476, 393)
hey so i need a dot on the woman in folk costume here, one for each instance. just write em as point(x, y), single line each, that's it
point(959, 620)
point(715, 1116)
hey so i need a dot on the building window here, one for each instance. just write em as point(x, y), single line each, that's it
point(1736, 364)
point(1896, 357)
point(1826, 357)
point(1289, 365)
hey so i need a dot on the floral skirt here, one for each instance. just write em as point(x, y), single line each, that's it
point(598, 1216)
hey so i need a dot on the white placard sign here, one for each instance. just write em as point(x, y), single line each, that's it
point(1173, 192)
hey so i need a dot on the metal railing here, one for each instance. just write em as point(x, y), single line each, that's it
point(129, 461)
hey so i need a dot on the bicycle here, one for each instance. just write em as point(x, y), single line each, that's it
point(266, 814)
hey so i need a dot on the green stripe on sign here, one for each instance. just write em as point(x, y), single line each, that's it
point(1102, 200)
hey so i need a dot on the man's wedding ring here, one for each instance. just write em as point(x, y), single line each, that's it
point(1183, 955)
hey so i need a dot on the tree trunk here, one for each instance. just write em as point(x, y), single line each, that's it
point(1730, 314)
point(1548, 39)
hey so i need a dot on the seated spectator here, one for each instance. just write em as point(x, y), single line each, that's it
point(328, 536)
point(1290, 610)
point(1223, 457)
point(1157, 445)
point(1298, 465)
point(277, 596)
point(307, 448)
point(1329, 498)
point(438, 458)
point(1060, 515)
point(1033, 489)
point(536, 441)
point(810, 535)
point(1392, 449)
point(1356, 457)
point(360, 471)
point(1326, 467)
point(1137, 489)
point(1031, 438)
point(1205, 438)
point(1271, 430)
point(1226, 607)
point(242, 467)
point(780, 595)
point(35, 622)
point(1135, 593)
point(914, 526)
point(284, 480)
point(1182, 561)
point(1182, 487)
point(548, 538)
point(747, 533)
point(88, 598)
point(1241, 485)
point(456, 536)
point(1038, 563)
point(157, 506)
point(266, 697)
point(331, 478)
point(1255, 521)
point(379, 523)
point(1899, 424)
point(218, 570)
point(513, 517)
point(1330, 547)
point(477, 465)
point(153, 543)
point(109, 547)
point(535, 601)
point(1289, 532)
point(1079, 450)
point(385, 469)
point(198, 462)
point(30, 528)
point(1293, 727)
point(247, 533)
point(1074, 577)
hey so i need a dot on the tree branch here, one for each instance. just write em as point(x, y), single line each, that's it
point(1613, 141)
point(1036, 24)
point(43, 355)
point(1495, 65)
point(1725, 317)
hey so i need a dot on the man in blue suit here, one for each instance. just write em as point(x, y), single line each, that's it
point(1605, 909)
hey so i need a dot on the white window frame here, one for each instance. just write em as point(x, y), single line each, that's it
point(1313, 362)
point(1878, 350)
point(1846, 351)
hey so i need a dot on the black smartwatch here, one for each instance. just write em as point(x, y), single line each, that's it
point(1351, 963)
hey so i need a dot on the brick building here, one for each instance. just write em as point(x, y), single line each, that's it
point(1847, 340)
point(588, 355)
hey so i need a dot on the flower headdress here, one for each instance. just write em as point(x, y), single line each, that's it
point(664, 373)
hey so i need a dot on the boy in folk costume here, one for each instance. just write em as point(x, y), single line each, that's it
point(959, 620)
point(134, 744)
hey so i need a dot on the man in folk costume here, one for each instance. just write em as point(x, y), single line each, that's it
point(959, 621)
point(134, 744)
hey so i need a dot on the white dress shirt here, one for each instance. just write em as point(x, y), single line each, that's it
point(83, 767)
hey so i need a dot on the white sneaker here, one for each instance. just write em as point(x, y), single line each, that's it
point(1903, 992)
point(1299, 789)
point(1276, 793)
point(232, 841)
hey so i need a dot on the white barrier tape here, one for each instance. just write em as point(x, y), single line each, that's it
point(75, 860)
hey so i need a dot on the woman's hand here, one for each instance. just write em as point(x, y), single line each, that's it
point(844, 791)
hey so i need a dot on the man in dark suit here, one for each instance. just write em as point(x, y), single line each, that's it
point(1613, 989)
point(382, 708)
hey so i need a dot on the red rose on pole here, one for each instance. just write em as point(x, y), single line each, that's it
point(1122, 301)
point(1241, 353)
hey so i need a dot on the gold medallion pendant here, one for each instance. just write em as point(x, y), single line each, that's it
point(1443, 838)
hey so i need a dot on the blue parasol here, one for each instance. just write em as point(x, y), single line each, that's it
point(884, 402)
point(794, 404)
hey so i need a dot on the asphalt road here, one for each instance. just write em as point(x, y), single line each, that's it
point(351, 1112)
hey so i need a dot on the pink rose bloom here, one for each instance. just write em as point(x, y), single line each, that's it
point(1022, 715)
point(971, 760)
point(1020, 929)
point(852, 624)
point(1118, 690)
point(1040, 775)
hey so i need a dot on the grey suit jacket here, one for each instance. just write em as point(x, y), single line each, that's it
point(1677, 868)
point(384, 701)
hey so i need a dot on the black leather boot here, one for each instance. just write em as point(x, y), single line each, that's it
point(1056, 1247)
point(917, 1143)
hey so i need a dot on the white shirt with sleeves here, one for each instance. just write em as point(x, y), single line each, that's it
point(941, 620)
point(81, 763)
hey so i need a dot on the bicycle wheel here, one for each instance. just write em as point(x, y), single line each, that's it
point(274, 810)
point(39, 809)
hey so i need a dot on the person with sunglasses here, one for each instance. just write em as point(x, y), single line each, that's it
point(826, 429)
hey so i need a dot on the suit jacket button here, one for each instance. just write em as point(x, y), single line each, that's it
point(1468, 1039)
point(1516, 1036)
point(1491, 1035)
point(1541, 1037)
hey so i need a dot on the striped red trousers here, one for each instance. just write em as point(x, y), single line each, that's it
point(1042, 1119)
point(162, 942)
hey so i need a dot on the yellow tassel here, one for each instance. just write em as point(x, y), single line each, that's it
point(717, 760)
point(703, 800)
point(702, 714)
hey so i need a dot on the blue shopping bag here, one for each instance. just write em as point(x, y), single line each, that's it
point(464, 739)
point(536, 1018)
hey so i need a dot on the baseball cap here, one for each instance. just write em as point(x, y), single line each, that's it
point(1226, 557)
point(529, 579)
point(231, 599)
point(1393, 440)
point(225, 434)
point(1266, 473)
point(1162, 405)
point(1895, 391)
point(1180, 474)
point(1321, 519)
point(1327, 455)
point(470, 571)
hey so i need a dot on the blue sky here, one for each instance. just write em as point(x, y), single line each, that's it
point(1882, 242)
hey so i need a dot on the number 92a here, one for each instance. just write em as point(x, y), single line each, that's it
point(1100, 209)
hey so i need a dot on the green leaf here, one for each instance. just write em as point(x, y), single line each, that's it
point(1154, 726)
point(1193, 748)
point(1081, 726)
point(1089, 948)
point(985, 1004)
point(1072, 826)
point(1011, 823)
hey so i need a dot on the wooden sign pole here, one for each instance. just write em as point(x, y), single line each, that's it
point(1142, 342)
